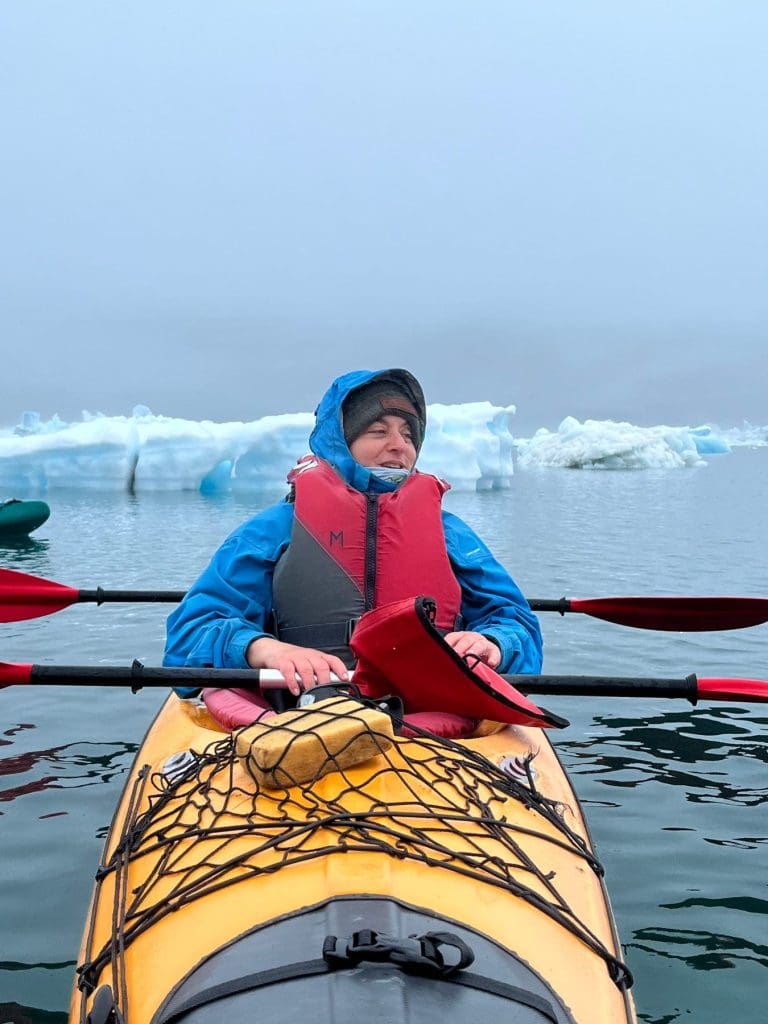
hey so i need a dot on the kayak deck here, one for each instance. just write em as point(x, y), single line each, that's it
point(481, 838)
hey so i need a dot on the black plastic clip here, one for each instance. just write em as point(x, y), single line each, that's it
point(434, 953)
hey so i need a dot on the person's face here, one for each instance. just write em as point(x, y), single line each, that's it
point(387, 442)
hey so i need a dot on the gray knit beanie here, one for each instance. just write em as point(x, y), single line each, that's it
point(383, 396)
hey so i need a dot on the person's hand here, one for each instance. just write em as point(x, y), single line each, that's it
point(301, 667)
point(476, 645)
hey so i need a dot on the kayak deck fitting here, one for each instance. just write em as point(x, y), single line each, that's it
point(438, 880)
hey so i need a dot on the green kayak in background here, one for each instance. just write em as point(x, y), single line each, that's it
point(18, 518)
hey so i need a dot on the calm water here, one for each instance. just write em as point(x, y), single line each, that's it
point(676, 796)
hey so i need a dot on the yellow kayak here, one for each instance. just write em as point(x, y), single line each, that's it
point(394, 880)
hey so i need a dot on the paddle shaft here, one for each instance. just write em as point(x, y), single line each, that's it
point(651, 612)
point(677, 614)
point(138, 676)
point(100, 596)
point(687, 614)
point(53, 591)
point(29, 597)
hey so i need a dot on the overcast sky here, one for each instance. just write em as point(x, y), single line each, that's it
point(213, 208)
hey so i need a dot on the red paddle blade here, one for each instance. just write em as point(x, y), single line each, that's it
point(753, 690)
point(28, 597)
point(684, 614)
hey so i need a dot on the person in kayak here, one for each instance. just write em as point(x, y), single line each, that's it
point(360, 527)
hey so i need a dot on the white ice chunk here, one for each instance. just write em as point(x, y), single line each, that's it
point(605, 444)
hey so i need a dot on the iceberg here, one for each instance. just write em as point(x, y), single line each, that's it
point(471, 444)
point(605, 444)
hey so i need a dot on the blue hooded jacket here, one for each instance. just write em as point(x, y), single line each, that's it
point(229, 605)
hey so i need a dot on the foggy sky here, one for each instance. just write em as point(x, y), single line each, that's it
point(212, 209)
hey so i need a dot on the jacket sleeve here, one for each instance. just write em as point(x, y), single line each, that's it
point(229, 605)
point(491, 601)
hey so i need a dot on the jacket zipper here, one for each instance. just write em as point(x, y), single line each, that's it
point(371, 517)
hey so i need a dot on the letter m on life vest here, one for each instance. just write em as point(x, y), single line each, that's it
point(336, 538)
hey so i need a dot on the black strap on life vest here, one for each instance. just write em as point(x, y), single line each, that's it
point(323, 636)
point(441, 956)
point(333, 634)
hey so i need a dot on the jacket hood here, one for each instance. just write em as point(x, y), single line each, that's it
point(327, 439)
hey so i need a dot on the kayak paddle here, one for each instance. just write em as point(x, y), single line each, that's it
point(138, 675)
point(28, 597)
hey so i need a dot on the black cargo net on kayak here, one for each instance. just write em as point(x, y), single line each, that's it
point(211, 824)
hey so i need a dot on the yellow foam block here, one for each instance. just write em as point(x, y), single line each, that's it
point(300, 745)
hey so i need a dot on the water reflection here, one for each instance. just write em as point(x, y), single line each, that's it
point(71, 766)
point(739, 843)
point(708, 951)
point(657, 749)
point(24, 551)
point(15, 1013)
point(21, 727)
point(748, 904)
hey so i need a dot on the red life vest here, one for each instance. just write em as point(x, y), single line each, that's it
point(351, 552)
